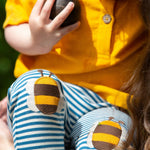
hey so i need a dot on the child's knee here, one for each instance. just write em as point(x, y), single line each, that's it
point(39, 88)
point(106, 135)
point(104, 128)
point(44, 92)
point(46, 95)
point(33, 97)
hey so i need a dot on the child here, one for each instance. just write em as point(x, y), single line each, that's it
point(5, 136)
point(98, 57)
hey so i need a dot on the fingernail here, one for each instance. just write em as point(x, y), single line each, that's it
point(71, 4)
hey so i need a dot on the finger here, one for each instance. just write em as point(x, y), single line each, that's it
point(4, 100)
point(5, 133)
point(45, 12)
point(3, 107)
point(3, 126)
point(60, 18)
point(3, 112)
point(37, 7)
point(70, 28)
point(4, 118)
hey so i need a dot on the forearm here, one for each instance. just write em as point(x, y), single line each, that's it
point(19, 37)
point(40, 35)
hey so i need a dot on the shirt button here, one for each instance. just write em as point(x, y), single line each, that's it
point(107, 18)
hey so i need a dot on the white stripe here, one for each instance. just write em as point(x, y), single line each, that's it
point(40, 144)
point(40, 138)
point(82, 143)
point(41, 120)
point(22, 79)
point(39, 115)
point(36, 126)
point(75, 102)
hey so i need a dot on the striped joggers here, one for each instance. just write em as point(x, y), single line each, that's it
point(82, 121)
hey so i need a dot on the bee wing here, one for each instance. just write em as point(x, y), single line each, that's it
point(30, 99)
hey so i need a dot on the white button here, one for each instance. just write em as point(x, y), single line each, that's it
point(107, 18)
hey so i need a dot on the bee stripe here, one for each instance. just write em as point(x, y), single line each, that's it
point(109, 130)
point(45, 89)
point(105, 138)
point(110, 123)
point(103, 145)
point(49, 100)
point(47, 109)
point(46, 80)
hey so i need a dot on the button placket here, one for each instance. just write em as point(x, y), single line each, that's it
point(106, 22)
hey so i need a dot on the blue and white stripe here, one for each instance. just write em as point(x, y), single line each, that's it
point(34, 130)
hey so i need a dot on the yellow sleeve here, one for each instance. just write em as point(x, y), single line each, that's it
point(17, 11)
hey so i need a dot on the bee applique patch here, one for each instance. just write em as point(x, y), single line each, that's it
point(44, 94)
point(106, 135)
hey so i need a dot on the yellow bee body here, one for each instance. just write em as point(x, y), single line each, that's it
point(106, 135)
point(46, 95)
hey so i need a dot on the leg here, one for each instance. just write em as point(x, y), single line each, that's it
point(32, 128)
point(79, 102)
point(86, 109)
point(101, 129)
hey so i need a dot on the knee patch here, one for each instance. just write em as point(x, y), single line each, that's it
point(106, 135)
point(101, 129)
point(46, 95)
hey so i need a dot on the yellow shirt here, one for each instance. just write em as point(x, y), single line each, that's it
point(100, 55)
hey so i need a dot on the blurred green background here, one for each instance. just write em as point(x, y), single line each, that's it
point(7, 57)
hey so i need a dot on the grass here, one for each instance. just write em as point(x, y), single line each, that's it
point(7, 57)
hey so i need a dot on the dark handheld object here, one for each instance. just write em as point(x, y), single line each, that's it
point(74, 16)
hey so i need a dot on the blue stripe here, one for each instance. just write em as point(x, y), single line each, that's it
point(19, 97)
point(89, 94)
point(18, 104)
point(39, 123)
point(82, 100)
point(38, 129)
point(18, 84)
point(38, 117)
point(70, 98)
point(40, 141)
point(19, 109)
point(40, 135)
point(83, 142)
point(42, 147)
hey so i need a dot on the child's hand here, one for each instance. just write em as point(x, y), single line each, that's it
point(6, 141)
point(39, 35)
point(45, 33)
